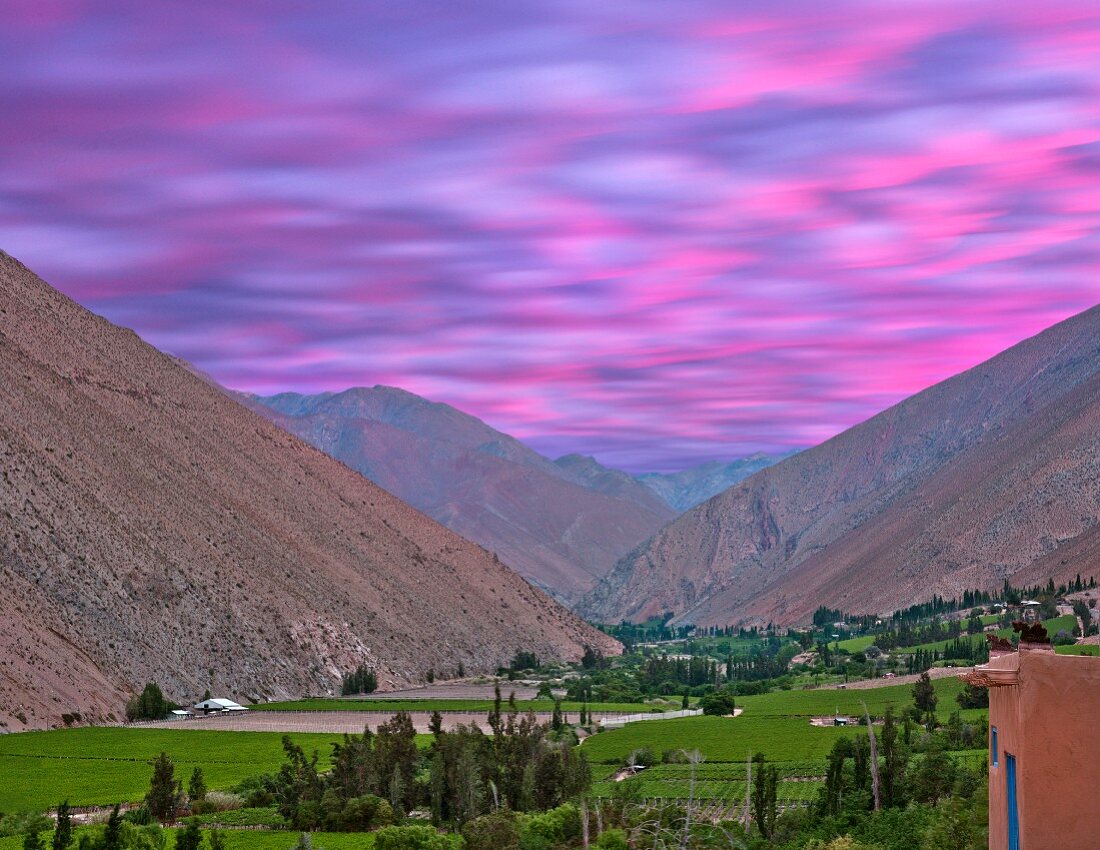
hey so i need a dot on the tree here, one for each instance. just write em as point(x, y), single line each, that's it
point(592, 659)
point(217, 840)
point(972, 696)
point(717, 704)
point(196, 788)
point(112, 833)
point(556, 721)
point(461, 673)
point(189, 838)
point(164, 794)
point(685, 702)
point(150, 704)
point(63, 833)
point(435, 725)
point(362, 680)
point(764, 810)
point(431, 675)
point(32, 840)
point(924, 694)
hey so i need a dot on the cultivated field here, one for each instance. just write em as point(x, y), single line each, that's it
point(104, 765)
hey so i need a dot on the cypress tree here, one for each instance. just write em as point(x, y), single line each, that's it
point(63, 834)
point(164, 791)
point(189, 838)
point(196, 788)
point(112, 834)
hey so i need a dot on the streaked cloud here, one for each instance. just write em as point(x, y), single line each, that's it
point(659, 233)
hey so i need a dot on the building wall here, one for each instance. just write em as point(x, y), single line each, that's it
point(1050, 722)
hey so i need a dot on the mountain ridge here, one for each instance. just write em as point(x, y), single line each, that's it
point(153, 529)
point(787, 538)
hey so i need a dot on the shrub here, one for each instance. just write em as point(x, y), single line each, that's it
point(718, 704)
point(496, 831)
point(221, 801)
point(415, 837)
point(19, 823)
point(613, 839)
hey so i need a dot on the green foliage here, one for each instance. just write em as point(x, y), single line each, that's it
point(416, 837)
point(63, 832)
point(20, 823)
point(266, 816)
point(495, 831)
point(196, 787)
point(189, 838)
point(150, 704)
point(362, 680)
point(718, 704)
point(612, 839)
point(924, 694)
point(102, 765)
point(165, 793)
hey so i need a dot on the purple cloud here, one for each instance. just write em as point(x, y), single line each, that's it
point(657, 233)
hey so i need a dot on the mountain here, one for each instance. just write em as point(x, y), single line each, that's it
point(153, 529)
point(684, 490)
point(991, 474)
point(561, 525)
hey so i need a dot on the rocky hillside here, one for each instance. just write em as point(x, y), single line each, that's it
point(560, 524)
point(151, 528)
point(990, 474)
point(684, 490)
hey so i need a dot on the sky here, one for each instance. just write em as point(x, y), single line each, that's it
point(659, 233)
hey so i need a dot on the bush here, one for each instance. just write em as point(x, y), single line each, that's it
point(718, 704)
point(19, 823)
point(613, 839)
point(268, 817)
point(415, 838)
point(496, 831)
point(217, 801)
point(556, 826)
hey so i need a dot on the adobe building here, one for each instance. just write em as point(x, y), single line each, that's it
point(1044, 745)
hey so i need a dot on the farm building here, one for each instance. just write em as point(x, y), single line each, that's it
point(212, 706)
point(1043, 741)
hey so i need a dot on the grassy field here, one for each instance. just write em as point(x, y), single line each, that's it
point(817, 703)
point(1053, 626)
point(251, 839)
point(1078, 650)
point(719, 739)
point(102, 765)
point(854, 645)
point(391, 706)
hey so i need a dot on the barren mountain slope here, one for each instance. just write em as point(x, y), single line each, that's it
point(690, 487)
point(153, 529)
point(555, 526)
point(971, 480)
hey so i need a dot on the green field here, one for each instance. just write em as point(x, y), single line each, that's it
point(1091, 649)
point(1053, 626)
point(253, 839)
point(817, 703)
point(854, 645)
point(391, 706)
point(858, 644)
point(102, 765)
point(719, 739)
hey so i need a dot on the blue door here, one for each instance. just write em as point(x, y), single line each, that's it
point(1013, 810)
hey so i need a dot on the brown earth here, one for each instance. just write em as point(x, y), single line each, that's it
point(992, 474)
point(151, 528)
point(351, 722)
point(562, 525)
